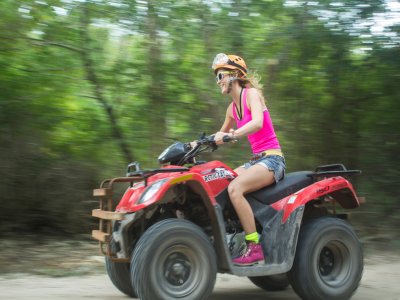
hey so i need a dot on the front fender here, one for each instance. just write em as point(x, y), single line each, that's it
point(130, 202)
point(214, 212)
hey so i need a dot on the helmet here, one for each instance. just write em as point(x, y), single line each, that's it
point(232, 62)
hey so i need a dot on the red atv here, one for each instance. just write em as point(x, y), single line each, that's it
point(175, 228)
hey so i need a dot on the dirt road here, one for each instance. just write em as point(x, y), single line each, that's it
point(381, 280)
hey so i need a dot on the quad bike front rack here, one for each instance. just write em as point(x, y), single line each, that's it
point(106, 212)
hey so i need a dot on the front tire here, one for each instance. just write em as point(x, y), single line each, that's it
point(271, 283)
point(328, 262)
point(119, 274)
point(173, 259)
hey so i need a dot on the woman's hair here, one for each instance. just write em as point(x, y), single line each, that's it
point(252, 79)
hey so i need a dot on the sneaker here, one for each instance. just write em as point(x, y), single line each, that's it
point(252, 254)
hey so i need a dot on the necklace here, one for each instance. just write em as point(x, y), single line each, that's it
point(239, 112)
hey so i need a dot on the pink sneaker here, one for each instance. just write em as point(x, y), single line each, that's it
point(252, 254)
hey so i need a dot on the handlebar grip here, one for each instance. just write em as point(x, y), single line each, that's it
point(226, 139)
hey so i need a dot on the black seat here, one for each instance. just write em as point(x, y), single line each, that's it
point(292, 183)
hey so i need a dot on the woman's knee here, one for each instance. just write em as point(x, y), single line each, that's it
point(234, 190)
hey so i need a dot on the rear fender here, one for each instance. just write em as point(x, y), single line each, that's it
point(338, 188)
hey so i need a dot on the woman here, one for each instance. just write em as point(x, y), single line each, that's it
point(267, 164)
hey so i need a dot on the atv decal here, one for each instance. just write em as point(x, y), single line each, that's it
point(292, 199)
point(218, 174)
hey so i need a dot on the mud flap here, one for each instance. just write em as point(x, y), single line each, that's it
point(278, 239)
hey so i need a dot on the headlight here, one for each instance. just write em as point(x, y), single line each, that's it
point(151, 190)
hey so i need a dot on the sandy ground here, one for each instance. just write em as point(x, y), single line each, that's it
point(381, 280)
point(32, 268)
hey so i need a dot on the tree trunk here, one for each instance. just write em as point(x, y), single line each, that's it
point(98, 92)
point(156, 92)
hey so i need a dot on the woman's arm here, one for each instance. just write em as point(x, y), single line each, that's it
point(227, 127)
point(229, 120)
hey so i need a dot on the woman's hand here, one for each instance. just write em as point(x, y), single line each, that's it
point(218, 138)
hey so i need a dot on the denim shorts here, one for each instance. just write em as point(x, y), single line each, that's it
point(274, 163)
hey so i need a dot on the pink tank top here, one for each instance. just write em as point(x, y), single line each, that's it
point(261, 140)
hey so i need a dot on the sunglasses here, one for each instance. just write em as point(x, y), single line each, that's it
point(221, 76)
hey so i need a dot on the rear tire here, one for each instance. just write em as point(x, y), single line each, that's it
point(271, 283)
point(119, 274)
point(328, 262)
point(173, 259)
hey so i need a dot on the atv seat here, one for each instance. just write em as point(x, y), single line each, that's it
point(291, 183)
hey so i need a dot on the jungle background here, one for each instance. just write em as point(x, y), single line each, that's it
point(87, 86)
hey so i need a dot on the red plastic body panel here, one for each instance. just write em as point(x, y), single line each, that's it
point(341, 189)
point(213, 176)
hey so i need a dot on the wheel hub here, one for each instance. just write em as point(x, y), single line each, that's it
point(326, 261)
point(334, 264)
point(177, 269)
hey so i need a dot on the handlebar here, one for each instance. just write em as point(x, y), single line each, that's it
point(203, 144)
point(209, 140)
point(227, 139)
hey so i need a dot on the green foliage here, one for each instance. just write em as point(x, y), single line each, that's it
point(89, 85)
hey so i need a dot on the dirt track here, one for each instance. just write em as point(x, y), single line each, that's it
point(381, 280)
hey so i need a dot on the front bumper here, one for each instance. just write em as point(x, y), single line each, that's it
point(107, 216)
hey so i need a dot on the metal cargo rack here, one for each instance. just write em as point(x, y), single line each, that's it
point(106, 212)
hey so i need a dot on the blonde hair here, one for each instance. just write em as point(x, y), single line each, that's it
point(252, 80)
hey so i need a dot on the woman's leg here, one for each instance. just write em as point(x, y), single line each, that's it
point(248, 180)
point(240, 170)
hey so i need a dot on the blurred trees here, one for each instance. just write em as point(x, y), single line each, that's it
point(88, 86)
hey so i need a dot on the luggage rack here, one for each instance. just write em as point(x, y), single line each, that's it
point(333, 170)
point(106, 214)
